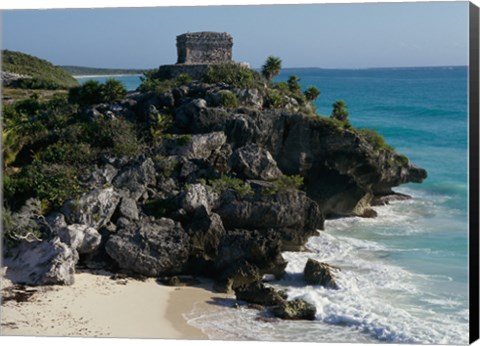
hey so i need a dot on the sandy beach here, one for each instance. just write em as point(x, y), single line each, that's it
point(98, 306)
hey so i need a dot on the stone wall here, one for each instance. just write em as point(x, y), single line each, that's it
point(204, 47)
point(196, 71)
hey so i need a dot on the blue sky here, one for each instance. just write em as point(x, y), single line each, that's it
point(318, 35)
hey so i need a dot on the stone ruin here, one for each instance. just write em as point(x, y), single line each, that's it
point(204, 48)
point(196, 51)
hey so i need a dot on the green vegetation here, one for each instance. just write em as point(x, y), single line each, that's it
point(235, 75)
point(294, 84)
point(374, 138)
point(272, 67)
point(93, 92)
point(284, 183)
point(95, 71)
point(47, 146)
point(339, 111)
point(312, 93)
point(184, 79)
point(44, 74)
point(22, 224)
point(224, 183)
point(228, 99)
point(153, 82)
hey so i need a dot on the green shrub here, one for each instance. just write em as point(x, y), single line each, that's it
point(23, 224)
point(339, 111)
point(93, 92)
point(311, 93)
point(274, 99)
point(235, 75)
point(284, 183)
point(184, 79)
point(165, 164)
point(90, 93)
point(401, 159)
point(113, 91)
point(241, 188)
point(294, 84)
point(51, 184)
point(228, 99)
point(376, 140)
point(74, 154)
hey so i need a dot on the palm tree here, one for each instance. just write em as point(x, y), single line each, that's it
point(311, 93)
point(294, 84)
point(272, 67)
point(339, 111)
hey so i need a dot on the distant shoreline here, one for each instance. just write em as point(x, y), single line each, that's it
point(106, 75)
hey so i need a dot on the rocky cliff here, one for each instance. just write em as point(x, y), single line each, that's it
point(221, 193)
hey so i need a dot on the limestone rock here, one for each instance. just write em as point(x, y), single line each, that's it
point(128, 208)
point(297, 309)
point(134, 179)
point(196, 196)
point(150, 247)
point(49, 262)
point(318, 273)
point(253, 162)
point(93, 209)
point(82, 238)
point(258, 293)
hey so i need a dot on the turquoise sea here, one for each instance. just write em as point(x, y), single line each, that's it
point(404, 276)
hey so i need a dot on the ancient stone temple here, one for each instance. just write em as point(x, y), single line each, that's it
point(204, 47)
point(196, 51)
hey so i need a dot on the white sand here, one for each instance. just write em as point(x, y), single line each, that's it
point(98, 306)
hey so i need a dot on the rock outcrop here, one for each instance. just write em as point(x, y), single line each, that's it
point(297, 309)
point(42, 263)
point(206, 198)
point(317, 273)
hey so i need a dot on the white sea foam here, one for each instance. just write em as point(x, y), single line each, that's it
point(382, 296)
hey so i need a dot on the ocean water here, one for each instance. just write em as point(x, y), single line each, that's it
point(404, 274)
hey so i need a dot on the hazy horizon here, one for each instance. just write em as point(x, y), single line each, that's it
point(329, 36)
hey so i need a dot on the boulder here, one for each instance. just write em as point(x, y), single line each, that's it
point(201, 146)
point(250, 97)
point(102, 175)
point(196, 196)
point(291, 213)
point(150, 247)
point(297, 309)
point(253, 162)
point(318, 273)
point(206, 232)
point(128, 208)
point(48, 262)
point(258, 293)
point(93, 209)
point(259, 248)
point(134, 179)
point(82, 238)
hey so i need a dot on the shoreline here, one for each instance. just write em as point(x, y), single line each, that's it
point(90, 308)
